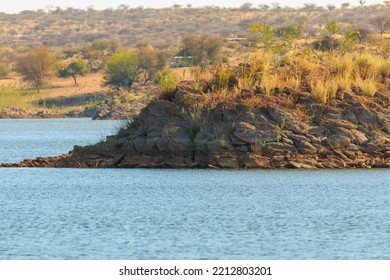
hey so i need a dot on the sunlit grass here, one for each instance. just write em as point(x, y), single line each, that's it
point(368, 86)
point(268, 84)
point(14, 97)
point(384, 69)
point(293, 83)
point(365, 66)
point(342, 67)
point(323, 91)
point(344, 83)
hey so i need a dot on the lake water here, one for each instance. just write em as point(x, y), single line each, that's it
point(182, 214)
point(31, 138)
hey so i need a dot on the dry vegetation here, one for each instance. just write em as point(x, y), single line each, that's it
point(268, 76)
point(14, 92)
point(336, 50)
point(164, 27)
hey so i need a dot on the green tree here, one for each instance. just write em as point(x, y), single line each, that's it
point(121, 70)
point(278, 40)
point(74, 69)
point(150, 61)
point(291, 33)
point(266, 34)
point(69, 53)
point(332, 27)
point(335, 38)
point(350, 35)
point(36, 66)
point(106, 46)
point(97, 52)
point(329, 41)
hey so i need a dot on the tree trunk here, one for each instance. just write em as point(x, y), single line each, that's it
point(74, 78)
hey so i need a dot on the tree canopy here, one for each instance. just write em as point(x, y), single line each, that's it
point(74, 69)
point(36, 66)
point(205, 49)
point(150, 61)
point(121, 70)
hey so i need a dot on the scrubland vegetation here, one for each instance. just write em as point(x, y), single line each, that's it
point(238, 55)
point(73, 27)
point(271, 87)
point(324, 75)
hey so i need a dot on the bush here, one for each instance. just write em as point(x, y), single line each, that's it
point(205, 49)
point(121, 71)
point(225, 79)
point(150, 61)
point(36, 66)
point(168, 81)
point(326, 44)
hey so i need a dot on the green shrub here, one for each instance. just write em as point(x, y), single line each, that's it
point(121, 71)
point(168, 81)
point(326, 44)
point(74, 69)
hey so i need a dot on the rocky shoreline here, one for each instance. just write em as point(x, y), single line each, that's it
point(352, 131)
point(20, 113)
point(101, 112)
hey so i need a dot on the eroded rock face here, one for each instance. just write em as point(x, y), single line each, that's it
point(174, 135)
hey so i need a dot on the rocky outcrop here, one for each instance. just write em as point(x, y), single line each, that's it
point(103, 112)
point(349, 133)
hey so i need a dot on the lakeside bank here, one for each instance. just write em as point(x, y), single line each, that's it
point(351, 131)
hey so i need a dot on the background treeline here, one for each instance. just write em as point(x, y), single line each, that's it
point(163, 27)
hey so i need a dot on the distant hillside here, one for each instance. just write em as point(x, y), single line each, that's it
point(162, 27)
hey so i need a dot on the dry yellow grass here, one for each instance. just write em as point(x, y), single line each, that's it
point(185, 73)
point(368, 86)
point(58, 89)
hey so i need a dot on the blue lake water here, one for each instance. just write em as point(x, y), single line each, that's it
point(183, 214)
point(31, 138)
